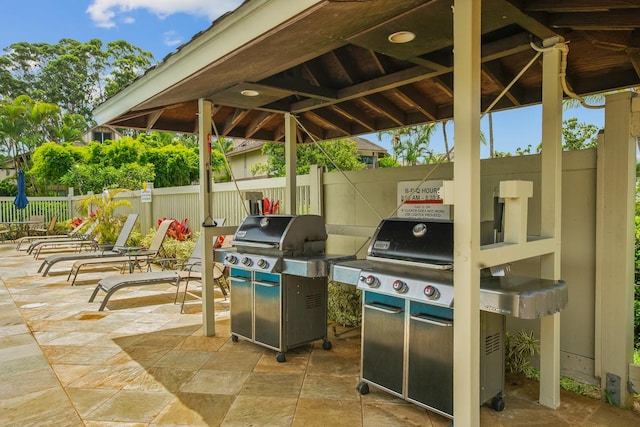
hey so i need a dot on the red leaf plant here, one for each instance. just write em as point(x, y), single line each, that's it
point(178, 230)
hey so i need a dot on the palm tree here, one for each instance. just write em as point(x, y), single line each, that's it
point(410, 145)
point(101, 208)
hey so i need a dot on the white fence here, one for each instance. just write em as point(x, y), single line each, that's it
point(46, 206)
point(179, 202)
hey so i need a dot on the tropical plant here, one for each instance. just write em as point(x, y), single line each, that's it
point(410, 145)
point(178, 230)
point(520, 348)
point(344, 305)
point(101, 208)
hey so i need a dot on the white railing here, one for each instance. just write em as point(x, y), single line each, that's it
point(227, 201)
point(45, 206)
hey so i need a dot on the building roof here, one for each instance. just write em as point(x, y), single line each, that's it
point(331, 64)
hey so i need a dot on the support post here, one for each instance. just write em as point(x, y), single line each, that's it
point(615, 240)
point(550, 216)
point(206, 233)
point(466, 172)
point(291, 158)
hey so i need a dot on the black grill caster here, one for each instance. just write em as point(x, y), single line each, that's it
point(280, 357)
point(234, 338)
point(363, 388)
point(497, 403)
point(326, 345)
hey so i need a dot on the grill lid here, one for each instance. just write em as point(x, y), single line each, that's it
point(428, 242)
point(283, 234)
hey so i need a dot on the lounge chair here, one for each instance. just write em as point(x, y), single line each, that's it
point(190, 270)
point(49, 229)
point(77, 241)
point(30, 239)
point(121, 242)
point(125, 256)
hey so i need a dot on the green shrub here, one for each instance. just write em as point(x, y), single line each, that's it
point(344, 305)
point(520, 348)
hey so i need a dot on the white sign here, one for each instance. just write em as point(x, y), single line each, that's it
point(145, 196)
point(145, 193)
point(422, 201)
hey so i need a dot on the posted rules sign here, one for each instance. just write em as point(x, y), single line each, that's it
point(421, 200)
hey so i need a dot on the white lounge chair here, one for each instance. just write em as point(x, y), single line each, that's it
point(70, 235)
point(121, 242)
point(189, 270)
point(125, 256)
point(77, 242)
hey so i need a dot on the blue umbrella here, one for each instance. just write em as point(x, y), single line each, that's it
point(21, 198)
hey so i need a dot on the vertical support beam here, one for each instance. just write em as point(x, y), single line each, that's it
point(466, 119)
point(550, 216)
point(206, 233)
point(615, 259)
point(290, 158)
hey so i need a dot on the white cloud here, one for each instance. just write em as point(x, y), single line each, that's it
point(128, 20)
point(103, 12)
point(171, 38)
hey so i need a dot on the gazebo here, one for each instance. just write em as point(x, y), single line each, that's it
point(308, 70)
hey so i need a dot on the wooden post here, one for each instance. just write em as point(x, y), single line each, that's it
point(551, 215)
point(206, 233)
point(291, 158)
point(466, 174)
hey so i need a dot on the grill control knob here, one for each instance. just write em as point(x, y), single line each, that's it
point(247, 261)
point(370, 280)
point(263, 263)
point(431, 292)
point(231, 259)
point(400, 286)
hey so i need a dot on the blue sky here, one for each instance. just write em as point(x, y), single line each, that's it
point(160, 26)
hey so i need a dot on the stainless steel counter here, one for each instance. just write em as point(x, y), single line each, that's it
point(517, 296)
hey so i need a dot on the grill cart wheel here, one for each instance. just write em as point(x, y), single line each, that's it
point(234, 338)
point(326, 345)
point(280, 357)
point(363, 388)
point(497, 403)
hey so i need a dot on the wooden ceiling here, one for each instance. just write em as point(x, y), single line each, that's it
point(335, 70)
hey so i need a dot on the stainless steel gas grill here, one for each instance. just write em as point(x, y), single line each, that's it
point(407, 319)
point(278, 279)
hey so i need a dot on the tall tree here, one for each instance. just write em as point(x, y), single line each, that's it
point(24, 125)
point(74, 75)
point(411, 145)
point(337, 154)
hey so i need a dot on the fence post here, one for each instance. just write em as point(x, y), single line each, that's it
point(69, 204)
point(316, 195)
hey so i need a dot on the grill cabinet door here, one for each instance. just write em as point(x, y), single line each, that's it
point(430, 365)
point(267, 309)
point(383, 341)
point(242, 307)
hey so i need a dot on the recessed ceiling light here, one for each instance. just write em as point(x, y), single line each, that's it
point(402, 37)
point(250, 92)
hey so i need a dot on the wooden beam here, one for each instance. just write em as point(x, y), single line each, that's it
point(418, 102)
point(616, 20)
point(555, 6)
point(332, 120)
point(257, 123)
point(233, 120)
point(383, 106)
point(355, 114)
